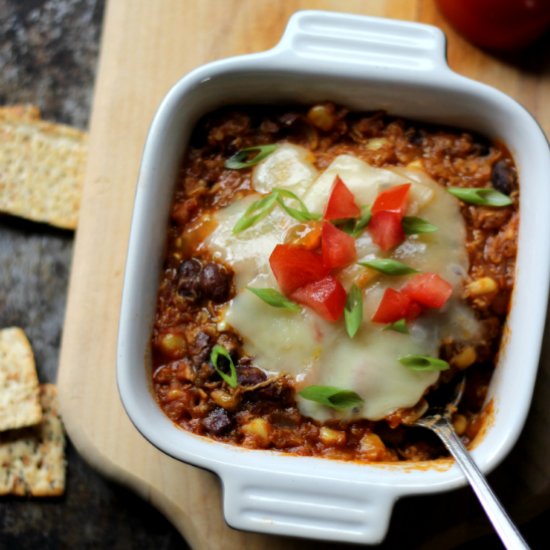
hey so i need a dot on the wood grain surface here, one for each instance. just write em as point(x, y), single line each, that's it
point(147, 46)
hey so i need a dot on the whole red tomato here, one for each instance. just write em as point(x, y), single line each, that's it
point(498, 24)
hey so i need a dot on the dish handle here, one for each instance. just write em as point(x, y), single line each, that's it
point(280, 503)
point(381, 44)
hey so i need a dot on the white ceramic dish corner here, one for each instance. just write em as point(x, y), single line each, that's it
point(364, 63)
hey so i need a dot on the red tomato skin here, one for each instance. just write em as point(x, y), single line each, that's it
point(415, 310)
point(392, 200)
point(326, 297)
point(498, 24)
point(393, 307)
point(338, 248)
point(428, 289)
point(341, 203)
point(294, 267)
point(386, 230)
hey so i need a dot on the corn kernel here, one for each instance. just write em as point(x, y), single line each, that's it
point(225, 400)
point(259, 429)
point(460, 423)
point(371, 447)
point(415, 164)
point(482, 286)
point(376, 143)
point(332, 437)
point(465, 358)
point(172, 395)
point(172, 344)
point(321, 117)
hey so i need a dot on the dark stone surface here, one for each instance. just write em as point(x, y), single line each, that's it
point(48, 54)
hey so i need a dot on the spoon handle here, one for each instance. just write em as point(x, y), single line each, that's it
point(507, 531)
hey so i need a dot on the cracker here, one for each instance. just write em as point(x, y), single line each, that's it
point(19, 404)
point(19, 112)
point(32, 460)
point(41, 169)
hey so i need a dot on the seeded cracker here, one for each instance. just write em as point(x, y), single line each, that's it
point(32, 460)
point(19, 112)
point(41, 167)
point(19, 403)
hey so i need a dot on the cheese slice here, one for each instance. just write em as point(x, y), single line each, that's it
point(247, 252)
point(315, 351)
point(290, 167)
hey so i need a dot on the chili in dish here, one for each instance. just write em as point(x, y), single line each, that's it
point(356, 274)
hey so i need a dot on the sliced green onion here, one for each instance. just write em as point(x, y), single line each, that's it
point(353, 312)
point(262, 207)
point(355, 227)
point(388, 266)
point(482, 196)
point(302, 214)
point(424, 363)
point(330, 396)
point(413, 225)
point(274, 298)
point(231, 379)
point(398, 326)
point(362, 221)
point(255, 212)
point(242, 159)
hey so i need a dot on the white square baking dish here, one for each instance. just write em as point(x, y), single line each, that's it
point(365, 64)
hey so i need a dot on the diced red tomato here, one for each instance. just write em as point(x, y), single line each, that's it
point(386, 230)
point(294, 266)
point(326, 297)
point(392, 200)
point(415, 309)
point(387, 212)
point(338, 248)
point(393, 307)
point(428, 289)
point(341, 203)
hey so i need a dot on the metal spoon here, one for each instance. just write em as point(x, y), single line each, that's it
point(439, 421)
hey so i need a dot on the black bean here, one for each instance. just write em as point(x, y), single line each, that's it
point(200, 348)
point(417, 137)
point(503, 177)
point(218, 421)
point(481, 147)
point(188, 278)
point(215, 282)
point(250, 376)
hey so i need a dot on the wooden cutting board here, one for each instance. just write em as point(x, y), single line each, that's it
point(147, 46)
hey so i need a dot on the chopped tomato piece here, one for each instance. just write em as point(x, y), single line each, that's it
point(415, 309)
point(294, 266)
point(428, 289)
point(326, 297)
point(338, 247)
point(387, 212)
point(392, 200)
point(341, 203)
point(386, 230)
point(393, 307)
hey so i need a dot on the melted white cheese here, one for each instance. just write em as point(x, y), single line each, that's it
point(315, 351)
point(290, 167)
